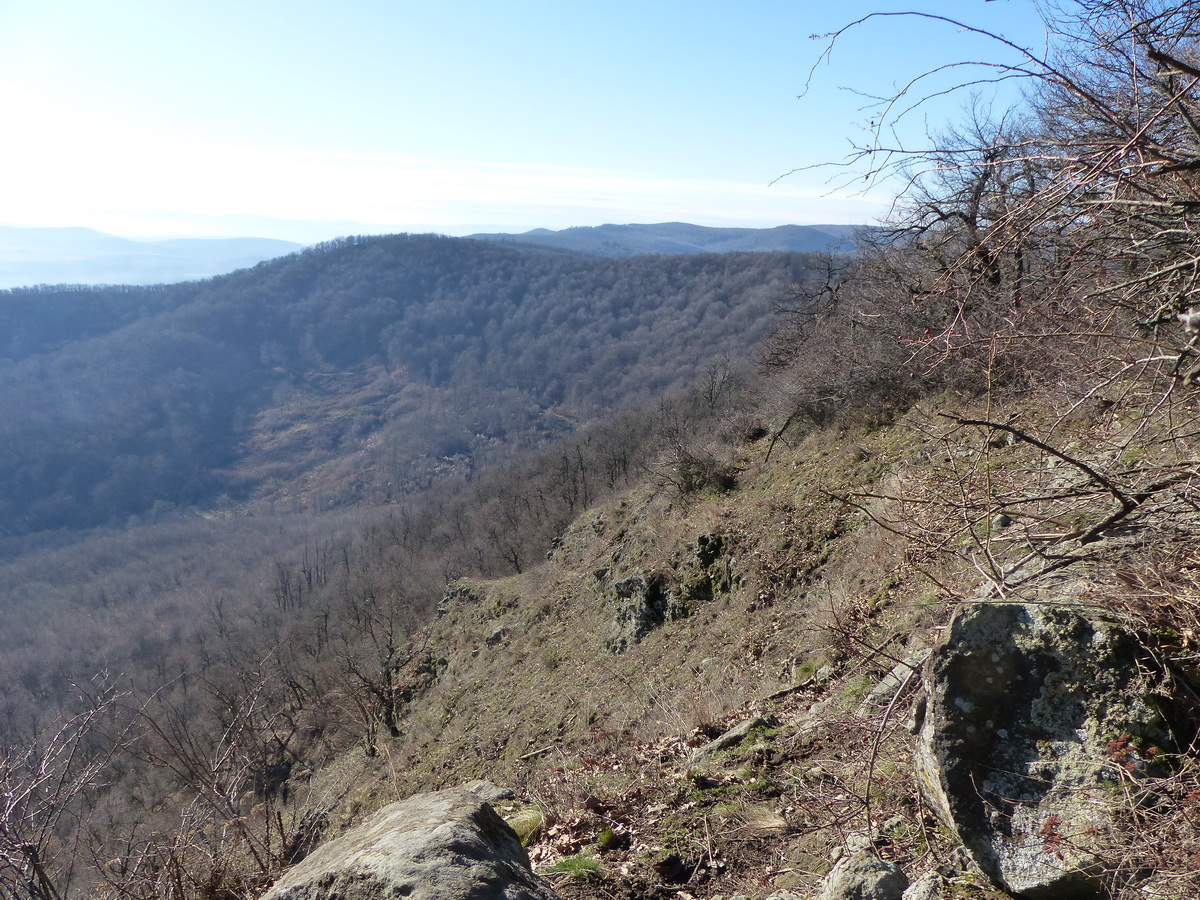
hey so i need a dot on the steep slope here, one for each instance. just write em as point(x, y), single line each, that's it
point(823, 551)
point(659, 621)
point(791, 603)
point(786, 594)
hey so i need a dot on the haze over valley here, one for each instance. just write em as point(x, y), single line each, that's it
point(30, 256)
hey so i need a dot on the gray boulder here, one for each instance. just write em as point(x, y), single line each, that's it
point(485, 790)
point(930, 886)
point(444, 845)
point(1034, 717)
point(902, 674)
point(864, 876)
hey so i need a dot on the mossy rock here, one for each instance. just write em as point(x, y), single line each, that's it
point(528, 823)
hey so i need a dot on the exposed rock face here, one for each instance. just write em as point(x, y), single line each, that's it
point(444, 845)
point(864, 876)
point(458, 594)
point(1025, 705)
point(644, 603)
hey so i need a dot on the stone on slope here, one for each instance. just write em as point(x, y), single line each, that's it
point(930, 886)
point(1024, 705)
point(864, 876)
point(444, 845)
point(734, 736)
point(643, 603)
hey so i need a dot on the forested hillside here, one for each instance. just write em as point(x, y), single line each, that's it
point(321, 443)
point(410, 355)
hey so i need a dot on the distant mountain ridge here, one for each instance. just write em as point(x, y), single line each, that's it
point(682, 238)
point(70, 256)
point(31, 256)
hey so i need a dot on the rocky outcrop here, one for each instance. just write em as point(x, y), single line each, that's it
point(459, 594)
point(734, 736)
point(444, 845)
point(646, 601)
point(1035, 717)
point(643, 603)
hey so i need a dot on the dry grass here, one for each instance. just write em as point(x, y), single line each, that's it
point(850, 548)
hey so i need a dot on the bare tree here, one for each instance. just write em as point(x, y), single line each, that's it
point(1054, 249)
point(1056, 242)
point(44, 792)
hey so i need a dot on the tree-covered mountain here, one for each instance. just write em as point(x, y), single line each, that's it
point(355, 370)
point(679, 237)
point(30, 256)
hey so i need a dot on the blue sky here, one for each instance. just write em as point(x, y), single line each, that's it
point(305, 120)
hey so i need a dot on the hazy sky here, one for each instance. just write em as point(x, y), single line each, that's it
point(305, 120)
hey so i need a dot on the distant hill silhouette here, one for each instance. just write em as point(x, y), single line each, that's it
point(681, 238)
point(30, 256)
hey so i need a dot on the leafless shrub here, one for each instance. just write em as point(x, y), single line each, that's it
point(242, 818)
point(1050, 253)
point(1057, 242)
point(45, 790)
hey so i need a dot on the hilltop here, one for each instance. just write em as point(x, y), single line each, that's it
point(84, 256)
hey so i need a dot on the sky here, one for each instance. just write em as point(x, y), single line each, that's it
point(306, 120)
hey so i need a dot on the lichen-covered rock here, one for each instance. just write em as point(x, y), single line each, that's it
point(643, 603)
point(485, 790)
point(864, 876)
point(712, 571)
point(930, 886)
point(734, 736)
point(444, 845)
point(1024, 705)
point(709, 548)
point(646, 601)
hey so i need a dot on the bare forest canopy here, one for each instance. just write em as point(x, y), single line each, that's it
point(399, 356)
point(356, 426)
